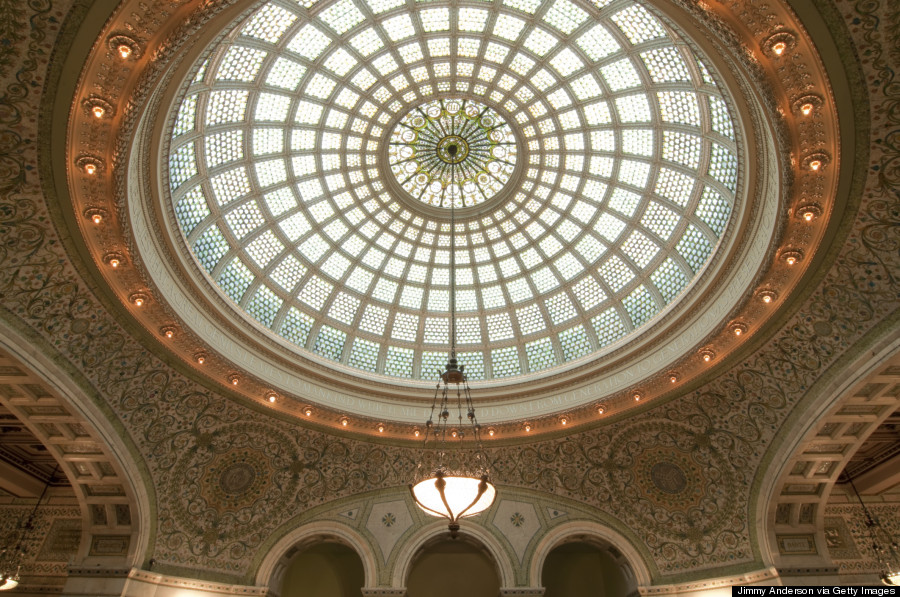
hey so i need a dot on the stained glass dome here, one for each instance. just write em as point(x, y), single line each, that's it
point(614, 185)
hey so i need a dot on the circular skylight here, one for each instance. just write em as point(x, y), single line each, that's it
point(284, 183)
point(455, 152)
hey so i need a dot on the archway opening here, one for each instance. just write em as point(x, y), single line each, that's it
point(324, 570)
point(586, 570)
point(452, 567)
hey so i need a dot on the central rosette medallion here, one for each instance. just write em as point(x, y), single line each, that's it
point(456, 152)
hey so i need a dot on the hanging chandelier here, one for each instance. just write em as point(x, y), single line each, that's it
point(12, 554)
point(885, 548)
point(456, 483)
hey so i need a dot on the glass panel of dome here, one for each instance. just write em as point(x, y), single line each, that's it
point(320, 86)
point(439, 47)
point(437, 330)
point(568, 266)
point(474, 364)
point(714, 210)
point(315, 292)
point(435, 19)
point(385, 290)
point(296, 327)
point(411, 297)
point(223, 147)
point(399, 362)
point(364, 355)
point(184, 123)
point(330, 343)
point(674, 186)
point(340, 62)
point(295, 226)
point(379, 6)
point(342, 16)
point(336, 265)
point(191, 209)
point(235, 279)
point(633, 108)
point(411, 53)
point(590, 248)
point(182, 165)
point(723, 166)
point(240, 64)
point(344, 308)
point(399, 27)
point(529, 7)
point(681, 148)
point(620, 75)
point(268, 140)
point(308, 113)
point(609, 327)
point(466, 300)
point(496, 52)
point(640, 306)
point(544, 280)
point(505, 362)
point(669, 279)
point(660, 220)
point(640, 249)
point(519, 290)
point(508, 27)
point(550, 246)
point(385, 64)
point(566, 62)
point(336, 119)
point(400, 82)
point(244, 219)
point(313, 248)
point(309, 42)
point(694, 247)
point(374, 319)
point(624, 202)
point(560, 308)
point(472, 19)
point(634, 173)
point(227, 105)
point(367, 42)
point(540, 354)
point(288, 273)
point(615, 273)
point(285, 73)
point(721, 120)
point(486, 73)
point(665, 65)
point(638, 24)
point(542, 79)
point(565, 16)
point(264, 248)
point(602, 141)
point(438, 300)
point(269, 23)
point(264, 305)
point(575, 343)
point(270, 173)
point(210, 247)
point(589, 293)
point(360, 279)
point(560, 99)
point(499, 327)
point(598, 43)
point(433, 364)
point(638, 141)
point(679, 106)
point(405, 327)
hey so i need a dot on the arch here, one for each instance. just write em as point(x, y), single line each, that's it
point(590, 532)
point(274, 563)
point(793, 495)
point(122, 519)
point(473, 531)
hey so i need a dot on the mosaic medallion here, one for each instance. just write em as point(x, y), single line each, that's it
point(453, 152)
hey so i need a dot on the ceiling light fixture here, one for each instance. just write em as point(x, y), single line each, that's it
point(889, 556)
point(456, 483)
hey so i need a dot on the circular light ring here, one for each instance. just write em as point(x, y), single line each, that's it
point(629, 169)
point(452, 151)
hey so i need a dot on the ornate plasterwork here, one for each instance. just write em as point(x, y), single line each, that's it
point(741, 411)
point(614, 385)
